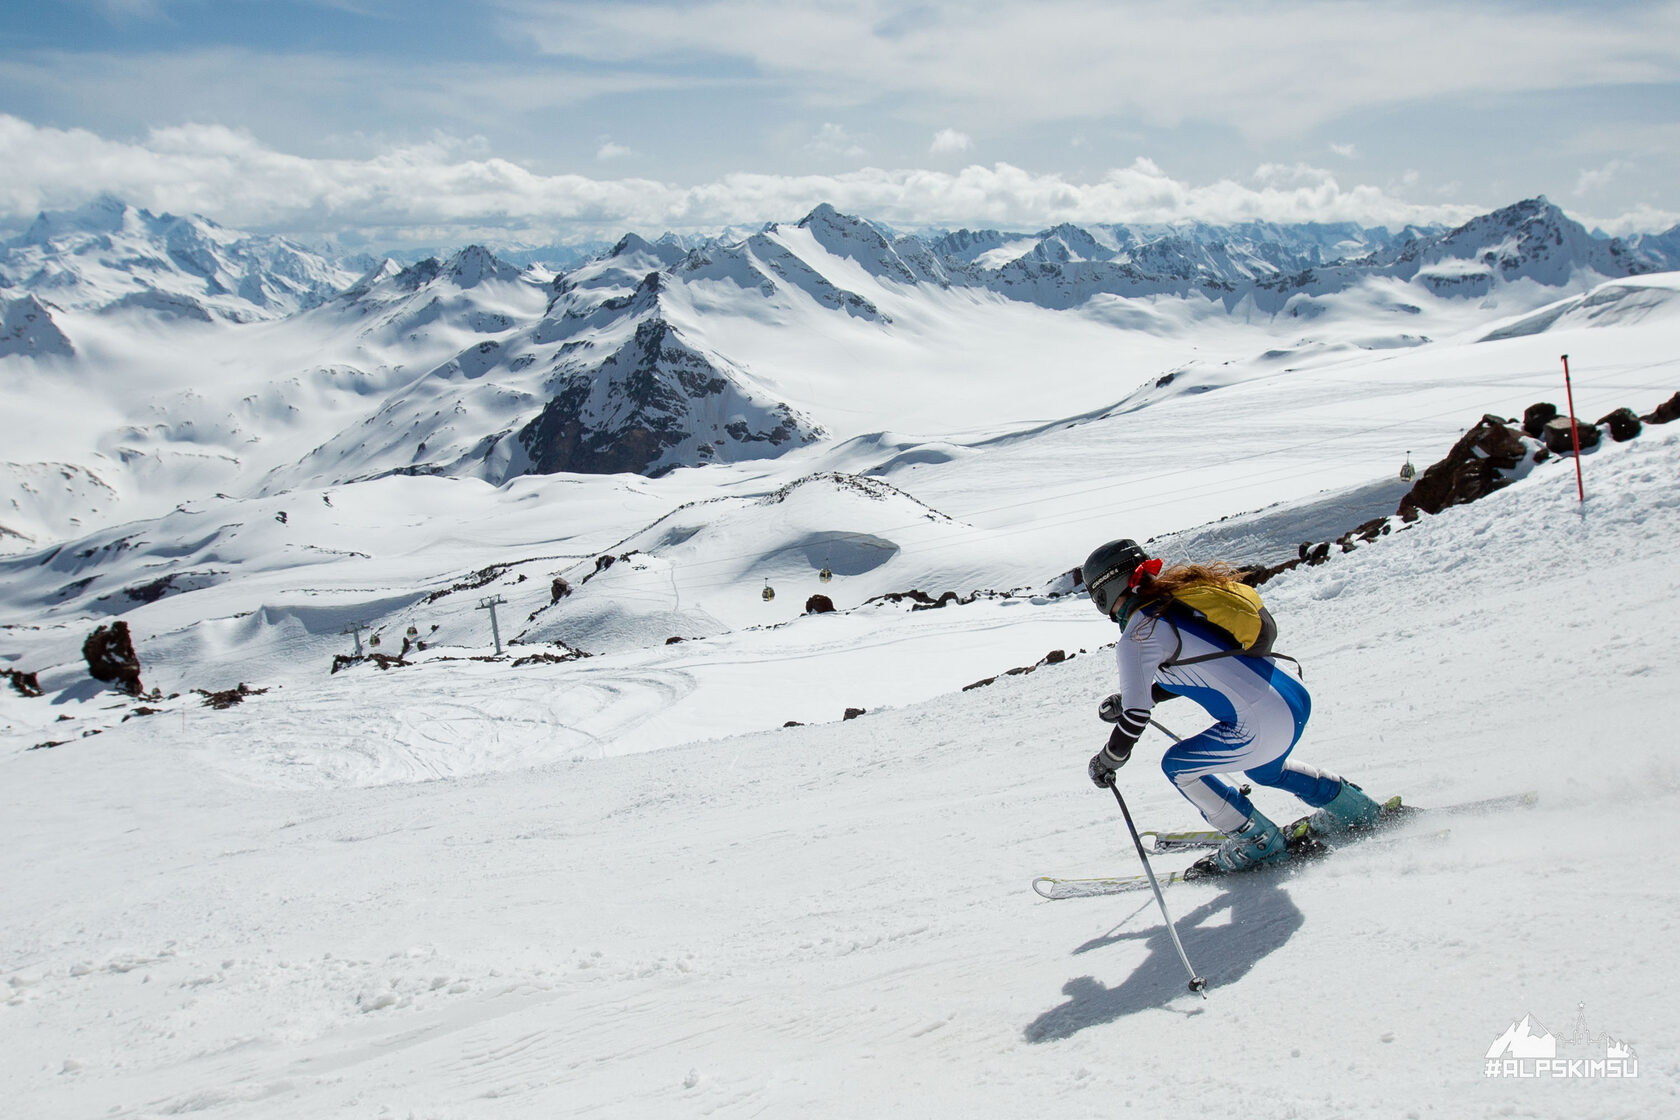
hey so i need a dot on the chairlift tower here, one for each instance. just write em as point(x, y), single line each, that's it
point(490, 604)
point(355, 629)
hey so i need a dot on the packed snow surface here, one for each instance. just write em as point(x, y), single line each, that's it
point(667, 877)
point(279, 911)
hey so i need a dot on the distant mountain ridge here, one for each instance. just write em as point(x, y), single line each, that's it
point(637, 360)
point(109, 256)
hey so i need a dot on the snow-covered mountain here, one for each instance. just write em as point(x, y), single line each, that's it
point(27, 328)
point(416, 718)
point(109, 256)
point(246, 365)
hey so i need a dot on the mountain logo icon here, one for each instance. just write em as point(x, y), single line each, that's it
point(1525, 1038)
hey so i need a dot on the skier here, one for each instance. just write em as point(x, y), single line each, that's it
point(1260, 704)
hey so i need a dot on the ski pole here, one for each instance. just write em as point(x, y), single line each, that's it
point(1197, 983)
point(1165, 732)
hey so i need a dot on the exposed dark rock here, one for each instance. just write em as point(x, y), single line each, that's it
point(793, 723)
point(675, 639)
point(1478, 464)
point(1254, 577)
point(644, 403)
point(110, 655)
point(141, 711)
point(1665, 413)
point(558, 590)
point(853, 713)
point(1054, 657)
point(472, 583)
point(1623, 424)
point(150, 592)
point(383, 660)
point(25, 683)
point(567, 654)
point(819, 604)
point(1562, 431)
point(1535, 417)
point(602, 563)
point(228, 697)
point(921, 600)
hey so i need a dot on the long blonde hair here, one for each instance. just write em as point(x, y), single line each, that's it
point(1153, 594)
point(1181, 577)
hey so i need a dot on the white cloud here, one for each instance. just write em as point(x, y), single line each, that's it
point(1590, 181)
point(948, 140)
point(447, 191)
point(1267, 70)
point(1291, 175)
point(834, 140)
point(610, 151)
point(1346, 151)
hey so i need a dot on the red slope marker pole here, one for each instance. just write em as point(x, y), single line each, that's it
point(1574, 431)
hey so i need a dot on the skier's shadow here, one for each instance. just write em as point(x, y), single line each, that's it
point(1262, 919)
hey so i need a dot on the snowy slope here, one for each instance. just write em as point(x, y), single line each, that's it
point(600, 872)
point(666, 354)
point(109, 256)
point(280, 910)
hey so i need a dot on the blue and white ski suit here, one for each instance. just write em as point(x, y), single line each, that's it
point(1260, 704)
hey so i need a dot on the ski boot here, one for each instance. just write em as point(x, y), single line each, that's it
point(1349, 811)
point(1256, 843)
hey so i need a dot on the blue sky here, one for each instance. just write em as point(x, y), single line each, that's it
point(389, 123)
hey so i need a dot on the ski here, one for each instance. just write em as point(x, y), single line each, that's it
point(1051, 887)
point(1303, 847)
point(1161, 843)
point(1301, 853)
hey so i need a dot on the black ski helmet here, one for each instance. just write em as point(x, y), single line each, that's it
point(1108, 572)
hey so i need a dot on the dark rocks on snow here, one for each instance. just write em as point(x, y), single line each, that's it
point(228, 697)
point(853, 713)
point(819, 604)
point(602, 563)
point(921, 600)
point(558, 590)
point(1535, 417)
point(1478, 464)
point(1562, 432)
point(383, 660)
point(567, 653)
point(1054, 657)
point(1665, 413)
point(26, 684)
point(1623, 424)
point(110, 655)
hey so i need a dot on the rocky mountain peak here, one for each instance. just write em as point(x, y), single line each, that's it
point(27, 327)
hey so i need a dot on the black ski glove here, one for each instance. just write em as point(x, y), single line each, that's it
point(1108, 760)
point(1110, 708)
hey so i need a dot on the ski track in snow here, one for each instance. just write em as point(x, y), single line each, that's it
point(282, 911)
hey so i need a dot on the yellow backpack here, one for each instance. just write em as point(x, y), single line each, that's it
point(1235, 610)
point(1233, 607)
